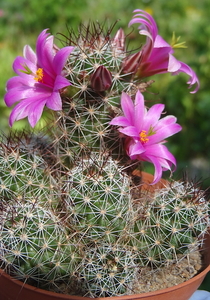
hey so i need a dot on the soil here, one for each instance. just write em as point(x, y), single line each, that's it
point(149, 280)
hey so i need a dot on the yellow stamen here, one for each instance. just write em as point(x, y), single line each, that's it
point(143, 137)
point(39, 75)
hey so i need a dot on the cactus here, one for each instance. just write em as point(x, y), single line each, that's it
point(35, 246)
point(108, 270)
point(174, 221)
point(98, 201)
point(95, 70)
point(74, 216)
point(24, 172)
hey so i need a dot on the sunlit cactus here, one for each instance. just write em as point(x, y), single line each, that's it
point(25, 174)
point(98, 200)
point(75, 215)
point(173, 221)
point(35, 245)
point(108, 270)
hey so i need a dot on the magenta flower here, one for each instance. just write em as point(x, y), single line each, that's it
point(39, 82)
point(156, 54)
point(145, 133)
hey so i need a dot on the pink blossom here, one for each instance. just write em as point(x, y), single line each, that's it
point(145, 133)
point(156, 54)
point(39, 82)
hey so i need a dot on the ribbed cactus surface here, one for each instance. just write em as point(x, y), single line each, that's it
point(25, 174)
point(174, 221)
point(98, 200)
point(35, 246)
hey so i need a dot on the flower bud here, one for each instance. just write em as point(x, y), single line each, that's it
point(131, 63)
point(119, 40)
point(101, 79)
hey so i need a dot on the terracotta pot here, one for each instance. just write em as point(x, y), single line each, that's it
point(147, 178)
point(11, 289)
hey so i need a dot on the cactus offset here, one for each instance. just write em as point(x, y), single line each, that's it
point(174, 221)
point(98, 200)
point(108, 270)
point(24, 172)
point(35, 245)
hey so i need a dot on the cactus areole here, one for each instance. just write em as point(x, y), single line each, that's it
point(78, 217)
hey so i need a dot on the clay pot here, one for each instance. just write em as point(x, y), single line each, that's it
point(11, 289)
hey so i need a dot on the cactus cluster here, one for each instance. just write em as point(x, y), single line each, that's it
point(95, 69)
point(74, 218)
point(86, 230)
point(170, 224)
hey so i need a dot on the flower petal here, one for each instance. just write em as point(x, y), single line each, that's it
point(35, 111)
point(60, 58)
point(60, 83)
point(193, 77)
point(130, 131)
point(161, 158)
point(173, 64)
point(120, 121)
point(128, 107)
point(29, 54)
point(29, 107)
point(164, 133)
point(139, 111)
point(54, 101)
point(136, 149)
point(21, 65)
point(152, 116)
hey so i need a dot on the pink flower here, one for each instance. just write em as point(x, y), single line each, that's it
point(146, 133)
point(156, 54)
point(39, 82)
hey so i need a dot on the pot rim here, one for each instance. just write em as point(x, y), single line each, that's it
point(19, 283)
point(196, 280)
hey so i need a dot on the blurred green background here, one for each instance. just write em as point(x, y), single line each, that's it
point(21, 21)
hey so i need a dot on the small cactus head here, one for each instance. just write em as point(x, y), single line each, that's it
point(98, 199)
point(172, 221)
point(35, 246)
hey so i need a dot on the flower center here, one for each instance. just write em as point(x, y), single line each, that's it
point(143, 137)
point(39, 75)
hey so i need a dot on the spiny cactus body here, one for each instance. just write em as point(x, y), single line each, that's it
point(108, 270)
point(98, 200)
point(24, 173)
point(35, 245)
point(174, 221)
point(95, 70)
